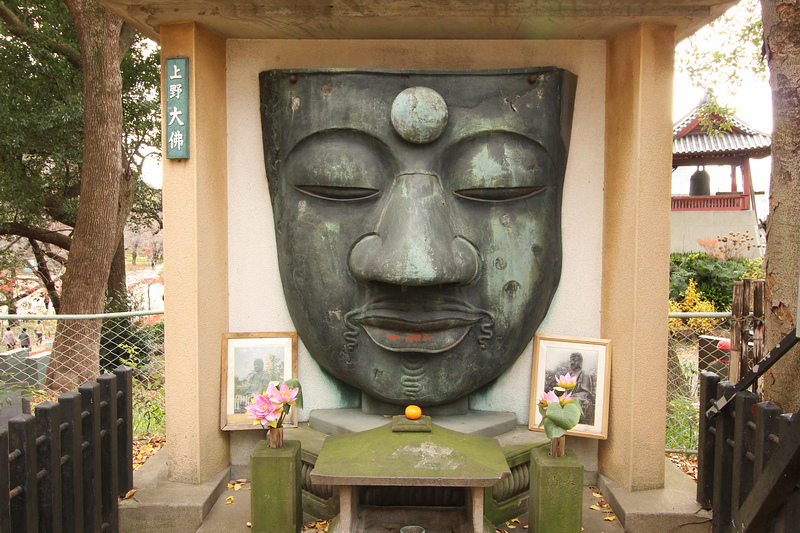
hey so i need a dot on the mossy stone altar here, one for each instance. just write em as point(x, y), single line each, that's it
point(378, 469)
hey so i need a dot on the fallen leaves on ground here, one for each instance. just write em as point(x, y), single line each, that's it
point(687, 463)
point(320, 526)
point(601, 505)
point(145, 447)
point(239, 484)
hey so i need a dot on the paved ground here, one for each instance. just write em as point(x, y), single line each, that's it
point(233, 517)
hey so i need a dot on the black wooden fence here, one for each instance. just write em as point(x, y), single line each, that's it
point(748, 461)
point(62, 470)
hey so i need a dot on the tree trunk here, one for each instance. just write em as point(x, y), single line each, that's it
point(781, 26)
point(75, 357)
point(117, 284)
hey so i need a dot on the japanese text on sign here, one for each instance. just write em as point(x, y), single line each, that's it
point(177, 104)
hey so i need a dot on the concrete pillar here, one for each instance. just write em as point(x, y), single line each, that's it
point(196, 261)
point(636, 233)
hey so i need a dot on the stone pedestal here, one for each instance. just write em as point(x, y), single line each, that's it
point(276, 503)
point(556, 492)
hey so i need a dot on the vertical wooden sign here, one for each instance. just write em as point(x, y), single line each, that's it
point(176, 87)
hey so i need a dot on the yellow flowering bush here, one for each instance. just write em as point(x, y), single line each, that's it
point(692, 302)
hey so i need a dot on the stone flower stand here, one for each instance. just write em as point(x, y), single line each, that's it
point(556, 492)
point(276, 505)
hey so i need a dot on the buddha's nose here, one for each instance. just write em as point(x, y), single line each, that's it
point(415, 242)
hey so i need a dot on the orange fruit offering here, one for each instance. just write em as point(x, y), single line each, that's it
point(413, 412)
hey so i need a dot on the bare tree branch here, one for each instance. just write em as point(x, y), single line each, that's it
point(58, 258)
point(42, 235)
point(19, 29)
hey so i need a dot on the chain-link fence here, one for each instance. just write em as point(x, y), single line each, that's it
point(43, 356)
point(698, 342)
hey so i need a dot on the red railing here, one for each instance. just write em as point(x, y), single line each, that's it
point(725, 202)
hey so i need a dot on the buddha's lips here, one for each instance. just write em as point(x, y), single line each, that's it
point(429, 332)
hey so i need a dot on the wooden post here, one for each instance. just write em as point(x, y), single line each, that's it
point(705, 450)
point(758, 324)
point(125, 428)
point(736, 332)
point(747, 353)
point(276, 437)
point(109, 448)
point(723, 464)
point(90, 430)
point(22, 473)
point(48, 459)
point(5, 518)
point(743, 445)
point(72, 470)
point(558, 446)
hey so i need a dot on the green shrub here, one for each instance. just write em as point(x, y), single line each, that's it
point(713, 276)
point(682, 431)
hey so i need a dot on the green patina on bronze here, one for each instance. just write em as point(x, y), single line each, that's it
point(418, 219)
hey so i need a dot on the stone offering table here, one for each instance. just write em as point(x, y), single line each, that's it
point(410, 472)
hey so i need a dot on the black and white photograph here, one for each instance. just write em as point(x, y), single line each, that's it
point(250, 361)
point(587, 361)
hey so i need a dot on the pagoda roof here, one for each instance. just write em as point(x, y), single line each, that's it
point(690, 143)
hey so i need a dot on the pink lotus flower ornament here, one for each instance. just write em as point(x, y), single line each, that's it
point(565, 399)
point(268, 408)
point(566, 381)
point(283, 394)
point(264, 411)
point(547, 398)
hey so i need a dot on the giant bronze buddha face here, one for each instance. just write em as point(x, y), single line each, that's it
point(418, 219)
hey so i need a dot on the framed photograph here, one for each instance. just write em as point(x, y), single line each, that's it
point(587, 359)
point(250, 361)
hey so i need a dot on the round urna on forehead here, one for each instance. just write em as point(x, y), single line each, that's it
point(417, 218)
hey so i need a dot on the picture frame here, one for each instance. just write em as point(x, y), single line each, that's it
point(554, 356)
point(249, 362)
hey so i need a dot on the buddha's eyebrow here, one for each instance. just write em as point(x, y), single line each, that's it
point(350, 134)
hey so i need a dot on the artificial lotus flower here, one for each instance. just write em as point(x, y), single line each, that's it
point(283, 394)
point(560, 412)
point(268, 408)
point(566, 398)
point(547, 398)
point(264, 411)
point(566, 381)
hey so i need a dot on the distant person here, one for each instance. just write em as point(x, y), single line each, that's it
point(39, 331)
point(9, 339)
point(24, 339)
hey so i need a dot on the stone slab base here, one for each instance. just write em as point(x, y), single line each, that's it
point(162, 506)
point(672, 508)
